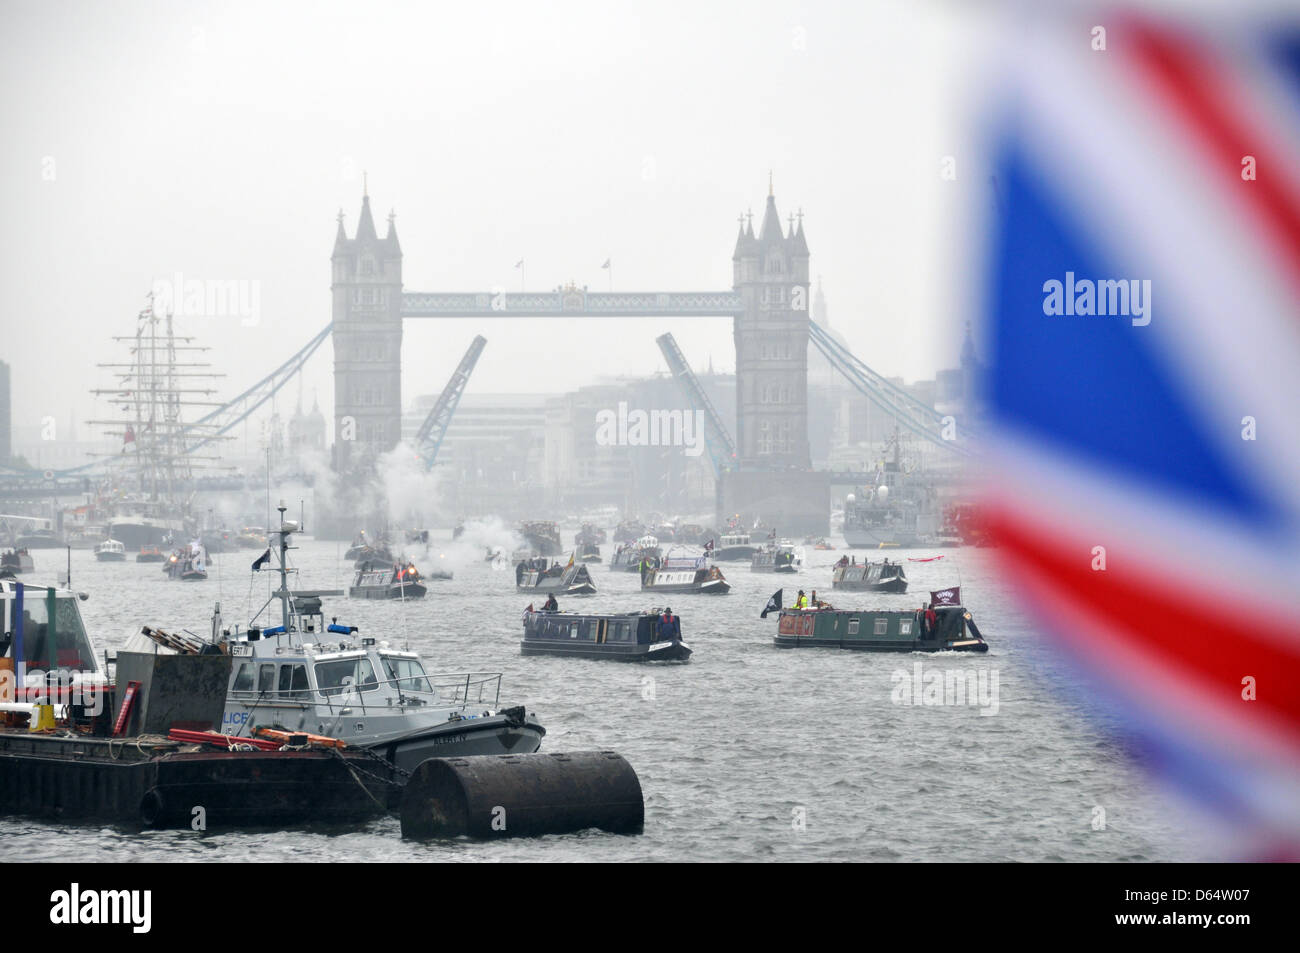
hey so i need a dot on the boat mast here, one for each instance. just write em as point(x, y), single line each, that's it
point(284, 571)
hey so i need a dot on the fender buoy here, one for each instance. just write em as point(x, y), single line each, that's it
point(151, 807)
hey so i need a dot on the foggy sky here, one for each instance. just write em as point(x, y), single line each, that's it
point(220, 141)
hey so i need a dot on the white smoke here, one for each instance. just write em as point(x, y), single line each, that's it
point(410, 491)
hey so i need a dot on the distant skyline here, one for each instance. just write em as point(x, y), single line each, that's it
point(221, 141)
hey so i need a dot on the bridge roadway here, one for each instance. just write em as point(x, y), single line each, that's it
point(572, 302)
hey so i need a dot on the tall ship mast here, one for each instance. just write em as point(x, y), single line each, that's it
point(151, 479)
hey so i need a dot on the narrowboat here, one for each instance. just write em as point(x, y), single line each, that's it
point(879, 630)
point(870, 577)
point(150, 554)
point(629, 556)
point(778, 557)
point(17, 561)
point(685, 574)
point(389, 582)
point(589, 553)
point(534, 575)
point(542, 536)
point(110, 551)
point(627, 637)
point(734, 547)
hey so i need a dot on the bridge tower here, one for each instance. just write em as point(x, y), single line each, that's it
point(770, 272)
point(367, 334)
point(773, 481)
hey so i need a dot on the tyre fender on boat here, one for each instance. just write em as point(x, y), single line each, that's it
point(152, 807)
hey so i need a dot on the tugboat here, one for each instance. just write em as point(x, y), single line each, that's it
point(110, 551)
point(187, 565)
point(16, 561)
point(775, 557)
point(390, 582)
point(734, 547)
point(150, 554)
point(629, 556)
point(304, 675)
point(534, 575)
point(880, 630)
point(542, 537)
point(628, 637)
point(684, 574)
point(869, 577)
point(133, 756)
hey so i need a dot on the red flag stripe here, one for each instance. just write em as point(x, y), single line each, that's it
point(1193, 639)
point(1191, 80)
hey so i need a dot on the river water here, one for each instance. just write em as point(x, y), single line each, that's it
point(747, 752)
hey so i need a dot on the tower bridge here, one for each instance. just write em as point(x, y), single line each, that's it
point(767, 303)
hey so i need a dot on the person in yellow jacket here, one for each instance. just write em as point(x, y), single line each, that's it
point(801, 602)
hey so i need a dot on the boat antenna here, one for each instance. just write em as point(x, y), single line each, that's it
point(284, 555)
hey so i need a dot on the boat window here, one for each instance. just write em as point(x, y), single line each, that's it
point(73, 650)
point(266, 679)
point(407, 674)
point(882, 626)
point(620, 632)
point(346, 675)
point(293, 680)
point(573, 630)
point(853, 627)
point(244, 678)
point(904, 626)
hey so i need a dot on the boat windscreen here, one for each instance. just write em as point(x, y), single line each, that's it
point(73, 651)
point(344, 675)
point(407, 674)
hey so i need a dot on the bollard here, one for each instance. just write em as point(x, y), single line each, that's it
point(522, 795)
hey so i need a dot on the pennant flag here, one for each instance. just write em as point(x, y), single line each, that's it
point(1142, 490)
point(261, 561)
point(946, 597)
point(773, 604)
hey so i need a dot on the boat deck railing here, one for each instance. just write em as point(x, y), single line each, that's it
point(468, 687)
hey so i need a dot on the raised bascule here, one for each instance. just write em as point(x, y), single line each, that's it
point(771, 476)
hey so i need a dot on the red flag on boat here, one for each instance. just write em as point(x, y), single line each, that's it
point(946, 597)
point(923, 559)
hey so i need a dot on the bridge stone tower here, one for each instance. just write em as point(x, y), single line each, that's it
point(367, 335)
point(773, 481)
point(771, 274)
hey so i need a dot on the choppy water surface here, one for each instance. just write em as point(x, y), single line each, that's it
point(733, 749)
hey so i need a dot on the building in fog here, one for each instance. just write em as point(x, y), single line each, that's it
point(307, 431)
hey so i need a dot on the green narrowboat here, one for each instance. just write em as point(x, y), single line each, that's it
point(880, 630)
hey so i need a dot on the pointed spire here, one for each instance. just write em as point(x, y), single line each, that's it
point(740, 240)
point(770, 192)
point(340, 236)
point(366, 224)
point(798, 244)
point(391, 237)
point(771, 231)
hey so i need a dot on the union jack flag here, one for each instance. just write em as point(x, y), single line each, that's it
point(1147, 451)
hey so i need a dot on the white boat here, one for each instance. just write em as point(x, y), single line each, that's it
point(110, 551)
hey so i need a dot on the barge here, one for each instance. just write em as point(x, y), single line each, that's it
point(880, 630)
point(535, 576)
point(869, 577)
point(685, 574)
point(627, 637)
point(391, 582)
point(779, 557)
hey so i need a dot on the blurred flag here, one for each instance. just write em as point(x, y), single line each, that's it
point(1141, 309)
point(946, 597)
point(773, 603)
